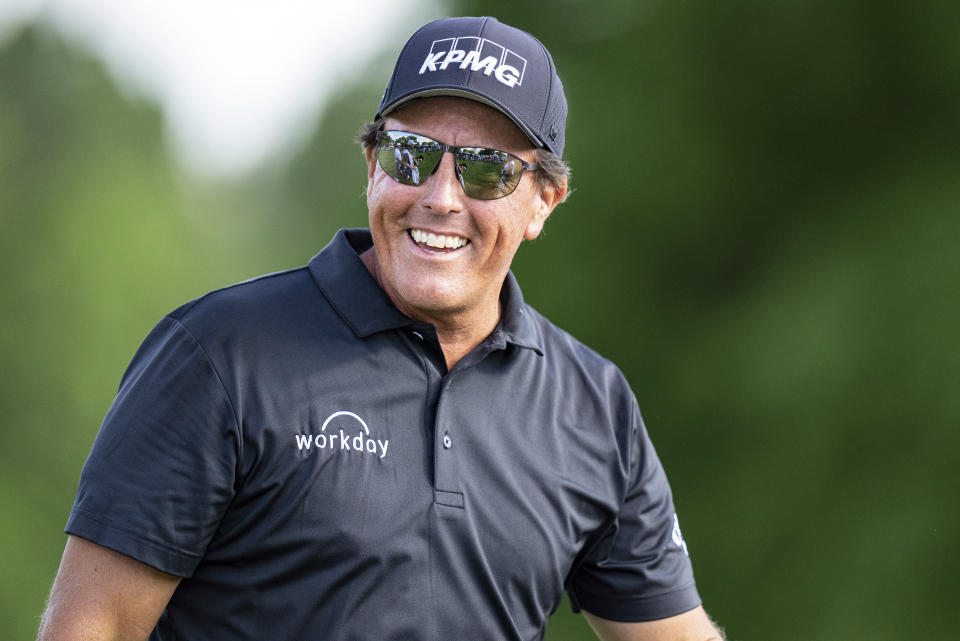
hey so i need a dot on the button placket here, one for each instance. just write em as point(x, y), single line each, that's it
point(447, 474)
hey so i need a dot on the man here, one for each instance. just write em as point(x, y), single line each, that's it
point(410, 164)
point(507, 171)
point(387, 443)
point(398, 158)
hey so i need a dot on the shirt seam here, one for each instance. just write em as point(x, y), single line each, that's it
point(641, 599)
point(223, 388)
point(137, 536)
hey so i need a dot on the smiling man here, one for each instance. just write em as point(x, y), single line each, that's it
point(439, 254)
point(387, 443)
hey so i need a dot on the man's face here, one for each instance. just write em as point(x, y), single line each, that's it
point(431, 283)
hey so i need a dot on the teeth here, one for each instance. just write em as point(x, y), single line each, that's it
point(439, 241)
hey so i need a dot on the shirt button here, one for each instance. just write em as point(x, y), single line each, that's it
point(447, 441)
point(418, 335)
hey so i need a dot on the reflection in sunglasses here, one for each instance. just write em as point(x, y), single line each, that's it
point(483, 173)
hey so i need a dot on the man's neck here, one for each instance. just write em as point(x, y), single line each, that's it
point(459, 332)
point(460, 337)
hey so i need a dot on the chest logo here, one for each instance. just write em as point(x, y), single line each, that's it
point(344, 431)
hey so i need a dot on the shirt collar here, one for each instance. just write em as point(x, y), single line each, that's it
point(516, 318)
point(350, 287)
point(360, 301)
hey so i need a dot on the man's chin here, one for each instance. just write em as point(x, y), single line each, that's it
point(434, 301)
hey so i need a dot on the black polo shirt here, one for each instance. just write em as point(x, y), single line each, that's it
point(295, 447)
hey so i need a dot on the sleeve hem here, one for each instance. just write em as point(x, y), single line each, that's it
point(124, 541)
point(647, 608)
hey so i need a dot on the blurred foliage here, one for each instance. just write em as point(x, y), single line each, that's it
point(763, 235)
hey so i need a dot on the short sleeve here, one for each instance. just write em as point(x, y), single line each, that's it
point(639, 569)
point(161, 470)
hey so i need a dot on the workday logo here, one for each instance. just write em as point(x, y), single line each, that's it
point(479, 54)
point(348, 433)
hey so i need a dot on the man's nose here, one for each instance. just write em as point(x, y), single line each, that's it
point(443, 193)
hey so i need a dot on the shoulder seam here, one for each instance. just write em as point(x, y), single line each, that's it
point(223, 388)
point(190, 305)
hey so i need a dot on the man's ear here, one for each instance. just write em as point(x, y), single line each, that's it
point(550, 196)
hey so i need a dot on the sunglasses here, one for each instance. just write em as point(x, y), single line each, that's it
point(484, 173)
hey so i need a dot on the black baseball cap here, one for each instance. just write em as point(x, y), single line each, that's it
point(484, 60)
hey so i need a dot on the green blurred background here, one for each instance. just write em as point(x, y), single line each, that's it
point(764, 235)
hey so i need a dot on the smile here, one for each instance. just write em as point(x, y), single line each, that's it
point(437, 241)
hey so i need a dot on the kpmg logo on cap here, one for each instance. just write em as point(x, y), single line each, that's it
point(479, 54)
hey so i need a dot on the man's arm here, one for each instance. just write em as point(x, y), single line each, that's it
point(102, 595)
point(694, 625)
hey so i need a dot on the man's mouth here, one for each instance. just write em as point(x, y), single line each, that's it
point(437, 243)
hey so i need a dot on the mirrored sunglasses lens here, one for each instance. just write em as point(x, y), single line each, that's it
point(487, 174)
point(407, 158)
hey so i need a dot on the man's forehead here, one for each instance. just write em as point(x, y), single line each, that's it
point(468, 117)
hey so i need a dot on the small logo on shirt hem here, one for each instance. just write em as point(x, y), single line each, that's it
point(678, 536)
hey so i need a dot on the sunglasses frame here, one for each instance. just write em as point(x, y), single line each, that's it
point(444, 148)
